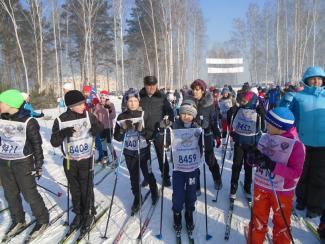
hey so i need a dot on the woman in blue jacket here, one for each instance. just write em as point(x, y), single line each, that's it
point(308, 106)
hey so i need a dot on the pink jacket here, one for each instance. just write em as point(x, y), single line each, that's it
point(292, 171)
point(104, 115)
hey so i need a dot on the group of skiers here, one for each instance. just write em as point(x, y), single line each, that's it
point(278, 133)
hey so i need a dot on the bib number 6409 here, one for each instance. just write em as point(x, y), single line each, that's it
point(187, 159)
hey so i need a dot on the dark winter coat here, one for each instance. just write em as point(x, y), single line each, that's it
point(57, 138)
point(156, 107)
point(33, 143)
point(206, 108)
point(145, 133)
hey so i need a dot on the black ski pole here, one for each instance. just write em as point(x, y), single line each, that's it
point(280, 207)
point(207, 236)
point(117, 170)
point(68, 189)
point(222, 166)
point(57, 194)
point(159, 236)
point(58, 182)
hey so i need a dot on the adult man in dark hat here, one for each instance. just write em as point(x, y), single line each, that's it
point(155, 104)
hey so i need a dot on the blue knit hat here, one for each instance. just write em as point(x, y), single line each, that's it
point(281, 118)
point(132, 92)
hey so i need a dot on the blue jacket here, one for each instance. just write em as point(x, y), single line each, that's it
point(308, 107)
point(32, 113)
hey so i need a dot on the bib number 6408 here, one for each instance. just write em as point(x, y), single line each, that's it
point(187, 159)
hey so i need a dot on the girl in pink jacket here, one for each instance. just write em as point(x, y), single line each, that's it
point(280, 159)
point(105, 113)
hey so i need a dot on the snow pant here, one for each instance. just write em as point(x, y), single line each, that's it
point(184, 190)
point(263, 201)
point(240, 158)
point(80, 178)
point(164, 168)
point(310, 190)
point(224, 128)
point(106, 141)
point(15, 177)
point(210, 160)
point(99, 147)
point(132, 163)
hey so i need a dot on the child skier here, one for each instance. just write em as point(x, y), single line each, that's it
point(247, 122)
point(74, 131)
point(21, 159)
point(280, 161)
point(185, 137)
point(130, 127)
point(105, 113)
point(29, 107)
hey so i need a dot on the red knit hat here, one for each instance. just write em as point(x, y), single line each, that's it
point(86, 89)
point(104, 94)
point(199, 83)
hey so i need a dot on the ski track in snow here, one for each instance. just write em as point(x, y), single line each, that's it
point(217, 212)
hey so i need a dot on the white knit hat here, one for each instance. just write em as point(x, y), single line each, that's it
point(68, 86)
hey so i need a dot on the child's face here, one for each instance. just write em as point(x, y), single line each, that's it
point(186, 118)
point(315, 81)
point(4, 108)
point(133, 103)
point(80, 108)
point(86, 94)
point(273, 130)
point(102, 100)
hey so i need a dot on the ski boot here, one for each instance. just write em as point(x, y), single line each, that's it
point(177, 221)
point(14, 228)
point(76, 222)
point(189, 220)
point(233, 191)
point(218, 184)
point(144, 183)
point(136, 205)
point(37, 230)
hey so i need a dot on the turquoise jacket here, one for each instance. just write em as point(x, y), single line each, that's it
point(308, 107)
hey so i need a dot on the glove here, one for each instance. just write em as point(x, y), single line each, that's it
point(266, 163)
point(165, 123)
point(67, 132)
point(38, 169)
point(93, 132)
point(107, 107)
point(218, 142)
point(40, 115)
point(127, 125)
point(138, 126)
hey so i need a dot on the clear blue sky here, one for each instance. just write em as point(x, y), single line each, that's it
point(219, 15)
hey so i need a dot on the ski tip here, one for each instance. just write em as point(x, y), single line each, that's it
point(208, 237)
point(159, 236)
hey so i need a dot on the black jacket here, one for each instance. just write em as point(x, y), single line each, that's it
point(145, 133)
point(33, 143)
point(206, 108)
point(57, 138)
point(156, 108)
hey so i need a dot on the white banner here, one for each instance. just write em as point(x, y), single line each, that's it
point(225, 70)
point(224, 60)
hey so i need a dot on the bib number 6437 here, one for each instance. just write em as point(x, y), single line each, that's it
point(187, 159)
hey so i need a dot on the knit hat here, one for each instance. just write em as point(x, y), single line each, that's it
point(132, 92)
point(225, 90)
point(199, 83)
point(104, 94)
point(74, 97)
point(12, 98)
point(86, 89)
point(281, 118)
point(150, 80)
point(188, 107)
point(68, 86)
point(25, 95)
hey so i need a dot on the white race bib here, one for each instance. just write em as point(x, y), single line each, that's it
point(185, 149)
point(225, 105)
point(13, 139)
point(245, 122)
point(80, 144)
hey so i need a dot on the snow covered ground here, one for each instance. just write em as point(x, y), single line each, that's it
point(217, 212)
